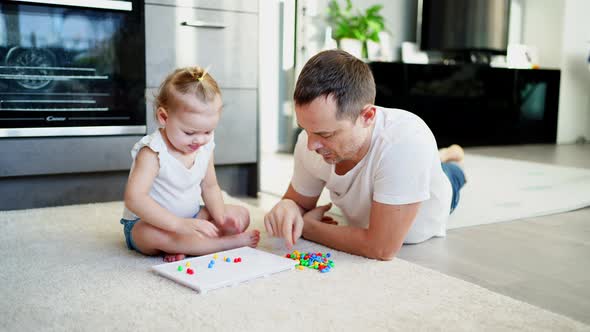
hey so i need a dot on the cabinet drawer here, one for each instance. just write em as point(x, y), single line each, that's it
point(226, 42)
point(236, 136)
point(237, 5)
point(64, 155)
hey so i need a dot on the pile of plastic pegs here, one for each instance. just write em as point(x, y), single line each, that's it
point(313, 260)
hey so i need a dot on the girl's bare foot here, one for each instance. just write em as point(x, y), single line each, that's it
point(247, 238)
point(453, 153)
point(174, 257)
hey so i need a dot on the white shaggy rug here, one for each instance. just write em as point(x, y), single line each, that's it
point(503, 189)
point(67, 269)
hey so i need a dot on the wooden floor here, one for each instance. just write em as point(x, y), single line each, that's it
point(544, 261)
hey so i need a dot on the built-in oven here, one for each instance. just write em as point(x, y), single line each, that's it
point(72, 68)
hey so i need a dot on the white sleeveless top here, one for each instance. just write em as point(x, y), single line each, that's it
point(176, 188)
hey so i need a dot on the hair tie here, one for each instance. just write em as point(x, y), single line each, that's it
point(203, 75)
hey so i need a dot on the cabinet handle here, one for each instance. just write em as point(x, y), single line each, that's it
point(201, 24)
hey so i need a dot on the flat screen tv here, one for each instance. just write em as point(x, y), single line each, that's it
point(463, 25)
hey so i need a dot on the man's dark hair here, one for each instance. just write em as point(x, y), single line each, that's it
point(340, 75)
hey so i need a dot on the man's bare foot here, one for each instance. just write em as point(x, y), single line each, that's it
point(453, 153)
point(248, 238)
point(174, 257)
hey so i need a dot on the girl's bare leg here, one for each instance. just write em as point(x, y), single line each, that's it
point(151, 241)
point(238, 221)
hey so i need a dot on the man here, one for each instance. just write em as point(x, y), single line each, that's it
point(381, 166)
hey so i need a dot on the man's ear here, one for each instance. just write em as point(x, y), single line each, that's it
point(162, 116)
point(367, 116)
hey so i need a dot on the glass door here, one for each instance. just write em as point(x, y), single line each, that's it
point(71, 70)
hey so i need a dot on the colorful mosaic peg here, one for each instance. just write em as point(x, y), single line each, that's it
point(317, 261)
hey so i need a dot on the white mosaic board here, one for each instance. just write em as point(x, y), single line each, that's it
point(255, 264)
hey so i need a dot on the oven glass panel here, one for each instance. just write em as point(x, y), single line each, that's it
point(71, 67)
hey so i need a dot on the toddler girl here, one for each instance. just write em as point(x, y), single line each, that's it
point(173, 168)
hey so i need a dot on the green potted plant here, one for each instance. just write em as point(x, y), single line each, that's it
point(347, 22)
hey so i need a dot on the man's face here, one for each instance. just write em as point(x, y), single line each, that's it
point(335, 140)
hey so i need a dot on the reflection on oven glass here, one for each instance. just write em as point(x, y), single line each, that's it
point(68, 65)
point(65, 66)
point(77, 33)
point(54, 49)
point(32, 64)
point(3, 32)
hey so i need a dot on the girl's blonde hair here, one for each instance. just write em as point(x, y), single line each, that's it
point(187, 81)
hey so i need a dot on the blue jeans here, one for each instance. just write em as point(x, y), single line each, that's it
point(457, 178)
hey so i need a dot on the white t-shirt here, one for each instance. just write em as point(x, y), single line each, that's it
point(176, 188)
point(402, 166)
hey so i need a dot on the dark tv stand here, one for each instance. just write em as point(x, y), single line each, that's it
point(463, 57)
point(474, 104)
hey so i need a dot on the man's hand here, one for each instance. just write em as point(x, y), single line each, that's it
point(192, 225)
point(317, 214)
point(329, 220)
point(284, 220)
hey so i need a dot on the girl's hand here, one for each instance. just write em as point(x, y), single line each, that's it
point(233, 224)
point(206, 228)
point(202, 226)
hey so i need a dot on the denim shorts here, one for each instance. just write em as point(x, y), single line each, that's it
point(128, 226)
point(457, 178)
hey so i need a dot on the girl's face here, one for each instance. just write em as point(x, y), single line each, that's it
point(189, 122)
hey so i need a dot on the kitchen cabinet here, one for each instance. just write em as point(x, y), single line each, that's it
point(219, 34)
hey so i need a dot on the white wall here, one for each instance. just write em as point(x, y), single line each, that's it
point(400, 20)
point(268, 92)
point(399, 15)
point(542, 28)
point(574, 97)
point(560, 30)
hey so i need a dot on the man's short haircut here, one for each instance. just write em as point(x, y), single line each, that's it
point(340, 75)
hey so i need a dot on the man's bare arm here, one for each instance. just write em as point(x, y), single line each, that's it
point(385, 235)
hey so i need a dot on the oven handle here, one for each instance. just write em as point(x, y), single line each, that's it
point(201, 24)
point(100, 4)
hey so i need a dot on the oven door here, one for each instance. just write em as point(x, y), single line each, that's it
point(72, 68)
